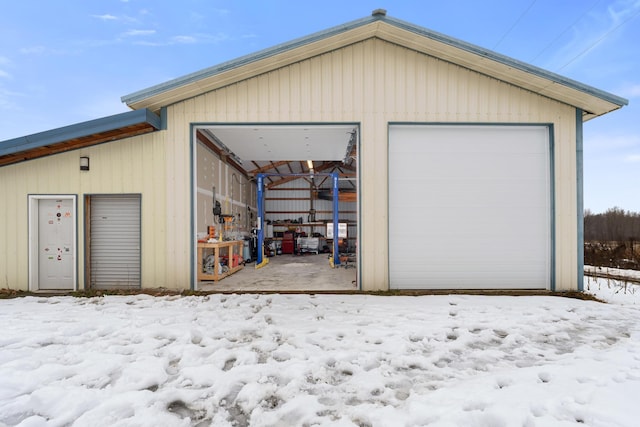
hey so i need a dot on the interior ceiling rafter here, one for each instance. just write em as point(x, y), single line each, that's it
point(284, 148)
point(321, 169)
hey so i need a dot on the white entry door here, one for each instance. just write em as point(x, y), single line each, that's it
point(56, 244)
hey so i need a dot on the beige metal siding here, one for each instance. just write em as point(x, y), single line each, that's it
point(373, 83)
point(13, 225)
point(134, 165)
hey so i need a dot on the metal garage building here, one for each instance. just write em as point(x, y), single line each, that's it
point(467, 164)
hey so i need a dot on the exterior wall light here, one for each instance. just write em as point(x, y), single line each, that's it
point(84, 163)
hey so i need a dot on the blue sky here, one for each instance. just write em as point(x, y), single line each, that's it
point(68, 61)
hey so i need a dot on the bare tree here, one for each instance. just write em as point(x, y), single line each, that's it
point(613, 225)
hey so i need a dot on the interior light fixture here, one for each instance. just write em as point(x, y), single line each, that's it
point(84, 163)
point(310, 164)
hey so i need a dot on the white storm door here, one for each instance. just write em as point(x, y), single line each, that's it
point(56, 244)
point(469, 207)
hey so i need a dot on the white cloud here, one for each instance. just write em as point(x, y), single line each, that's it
point(6, 99)
point(222, 12)
point(632, 158)
point(212, 38)
point(106, 17)
point(184, 39)
point(136, 33)
point(148, 43)
point(4, 61)
point(33, 50)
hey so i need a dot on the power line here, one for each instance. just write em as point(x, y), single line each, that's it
point(565, 31)
point(514, 24)
point(604, 36)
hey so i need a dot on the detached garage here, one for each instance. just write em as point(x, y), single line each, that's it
point(458, 168)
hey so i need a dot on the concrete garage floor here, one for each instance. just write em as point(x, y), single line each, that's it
point(307, 272)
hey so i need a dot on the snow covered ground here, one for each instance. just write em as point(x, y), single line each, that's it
point(325, 360)
point(634, 274)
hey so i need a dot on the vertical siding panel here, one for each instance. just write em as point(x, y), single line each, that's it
point(566, 205)
point(349, 81)
point(16, 226)
point(431, 94)
point(461, 110)
point(447, 92)
point(274, 110)
point(336, 85)
point(367, 150)
point(316, 89)
point(295, 93)
point(493, 113)
point(483, 100)
point(178, 200)
point(380, 166)
point(159, 215)
point(214, 106)
point(505, 104)
point(261, 93)
point(358, 82)
point(283, 94)
point(253, 104)
point(232, 102)
point(410, 87)
point(145, 175)
point(240, 101)
point(10, 210)
point(327, 90)
point(472, 98)
point(561, 206)
point(390, 83)
point(421, 90)
point(204, 108)
point(305, 90)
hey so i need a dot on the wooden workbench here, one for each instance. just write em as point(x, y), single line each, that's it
point(232, 246)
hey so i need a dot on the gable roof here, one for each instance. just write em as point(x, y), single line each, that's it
point(592, 101)
point(79, 135)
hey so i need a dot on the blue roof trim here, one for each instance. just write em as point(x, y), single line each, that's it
point(247, 59)
point(79, 130)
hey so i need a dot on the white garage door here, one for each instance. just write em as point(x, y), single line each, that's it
point(115, 241)
point(469, 207)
